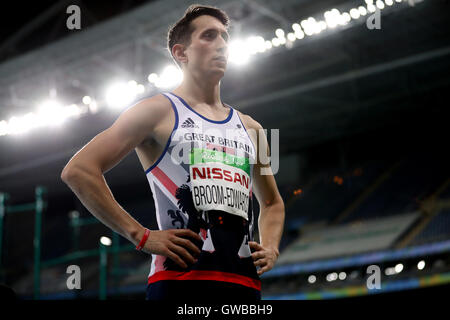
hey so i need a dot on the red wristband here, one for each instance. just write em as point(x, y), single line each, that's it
point(143, 240)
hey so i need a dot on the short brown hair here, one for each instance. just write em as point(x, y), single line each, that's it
point(182, 30)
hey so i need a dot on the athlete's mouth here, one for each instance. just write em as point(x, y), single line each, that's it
point(221, 58)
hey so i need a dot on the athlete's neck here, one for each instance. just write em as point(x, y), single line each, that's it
point(200, 92)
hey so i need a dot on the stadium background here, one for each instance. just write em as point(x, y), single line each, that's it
point(363, 119)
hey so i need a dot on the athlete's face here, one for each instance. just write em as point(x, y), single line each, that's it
point(208, 51)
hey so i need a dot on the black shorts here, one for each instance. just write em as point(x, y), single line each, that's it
point(200, 291)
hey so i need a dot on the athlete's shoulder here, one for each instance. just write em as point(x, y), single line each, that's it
point(154, 106)
point(249, 122)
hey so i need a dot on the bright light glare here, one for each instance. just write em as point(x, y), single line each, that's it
point(93, 107)
point(332, 18)
point(296, 27)
point(312, 278)
point(380, 4)
point(105, 241)
point(275, 42)
point(389, 271)
point(152, 77)
point(87, 100)
point(299, 34)
point(140, 89)
point(332, 276)
point(279, 33)
point(398, 268)
point(3, 128)
point(362, 11)
point(239, 52)
point(255, 44)
point(354, 13)
point(291, 37)
point(119, 95)
point(345, 18)
point(421, 265)
point(371, 8)
point(170, 77)
point(50, 113)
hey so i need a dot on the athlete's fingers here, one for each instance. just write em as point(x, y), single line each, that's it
point(260, 262)
point(182, 253)
point(175, 258)
point(188, 233)
point(258, 255)
point(263, 269)
point(255, 245)
point(187, 244)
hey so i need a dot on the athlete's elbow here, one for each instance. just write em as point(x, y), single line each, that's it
point(68, 174)
point(71, 173)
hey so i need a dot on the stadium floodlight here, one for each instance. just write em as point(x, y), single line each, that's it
point(371, 8)
point(342, 276)
point(120, 94)
point(332, 17)
point(368, 2)
point(140, 89)
point(332, 277)
point(105, 241)
point(399, 268)
point(299, 34)
point(152, 78)
point(268, 44)
point(72, 111)
point(51, 113)
point(296, 27)
point(93, 107)
point(279, 33)
point(3, 128)
point(389, 271)
point(380, 4)
point(170, 77)
point(389, 2)
point(276, 42)
point(87, 100)
point(398, 0)
point(345, 18)
point(421, 265)
point(291, 37)
point(256, 44)
point(362, 10)
point(312, 279)
point(239, 52)
point(19, 125)
point(354, 13)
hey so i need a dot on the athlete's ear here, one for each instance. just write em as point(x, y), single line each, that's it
point(179, 53)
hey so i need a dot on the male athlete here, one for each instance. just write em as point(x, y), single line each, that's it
point(202, 177)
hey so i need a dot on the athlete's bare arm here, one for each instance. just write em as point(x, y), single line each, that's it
point(84, 174)
point(271, 215)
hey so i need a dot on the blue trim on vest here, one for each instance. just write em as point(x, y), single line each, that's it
point(170, 137)
point(213, 121)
